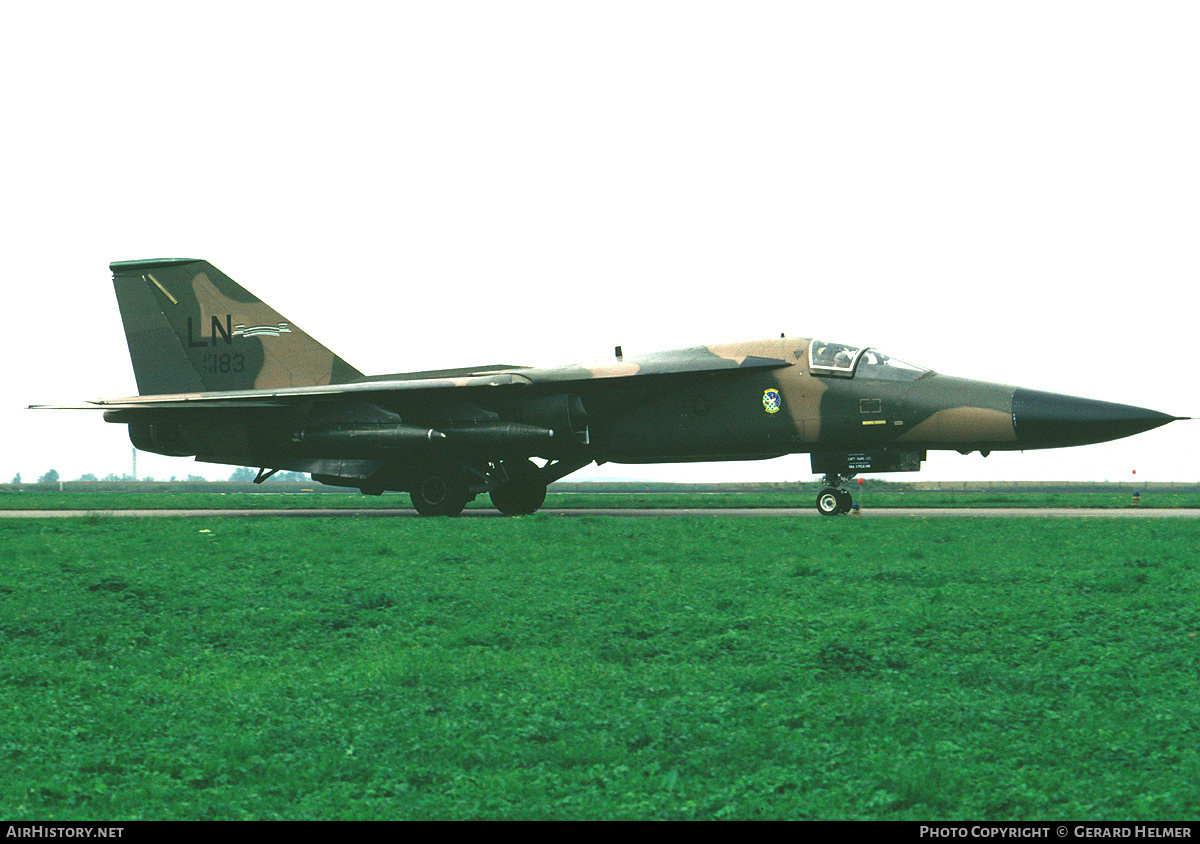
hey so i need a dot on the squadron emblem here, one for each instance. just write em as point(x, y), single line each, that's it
point(771, 401)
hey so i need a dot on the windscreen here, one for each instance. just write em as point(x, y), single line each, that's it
point(845, 361)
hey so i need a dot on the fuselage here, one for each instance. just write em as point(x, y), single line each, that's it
point(772, 397)
point(852, 400)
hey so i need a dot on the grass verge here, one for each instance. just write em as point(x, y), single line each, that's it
point(538, 668)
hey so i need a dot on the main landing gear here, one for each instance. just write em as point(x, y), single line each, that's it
point(834, 500)
point(440, 491)
point(517, 487)
point(522, 491)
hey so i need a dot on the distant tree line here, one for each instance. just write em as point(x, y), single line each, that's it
point(242, 474)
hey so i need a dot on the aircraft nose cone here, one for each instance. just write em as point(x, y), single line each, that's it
point(1049, 420)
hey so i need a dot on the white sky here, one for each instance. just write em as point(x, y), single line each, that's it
point(1004, 191)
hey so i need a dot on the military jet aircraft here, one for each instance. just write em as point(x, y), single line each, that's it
point(225, 378)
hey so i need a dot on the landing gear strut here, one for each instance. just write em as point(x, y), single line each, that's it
point(834, 500)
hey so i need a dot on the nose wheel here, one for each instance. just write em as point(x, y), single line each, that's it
point(834, 500)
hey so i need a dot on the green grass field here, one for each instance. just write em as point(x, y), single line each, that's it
point(594, 667)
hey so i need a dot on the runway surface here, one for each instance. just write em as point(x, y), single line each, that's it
point(765, 512)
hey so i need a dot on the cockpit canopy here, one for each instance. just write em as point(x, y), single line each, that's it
point(842, 361)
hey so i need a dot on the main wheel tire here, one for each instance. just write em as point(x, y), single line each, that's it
point(829, 501)
point(440, 492)
point(523, 493)
point(847, 500)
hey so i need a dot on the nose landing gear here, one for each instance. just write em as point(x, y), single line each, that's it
point(833, 500)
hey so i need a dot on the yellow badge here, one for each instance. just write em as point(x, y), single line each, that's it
point(771, 401)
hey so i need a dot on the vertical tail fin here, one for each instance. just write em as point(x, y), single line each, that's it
point(191, 328)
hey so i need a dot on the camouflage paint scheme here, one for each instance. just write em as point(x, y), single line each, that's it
point(225, 378)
